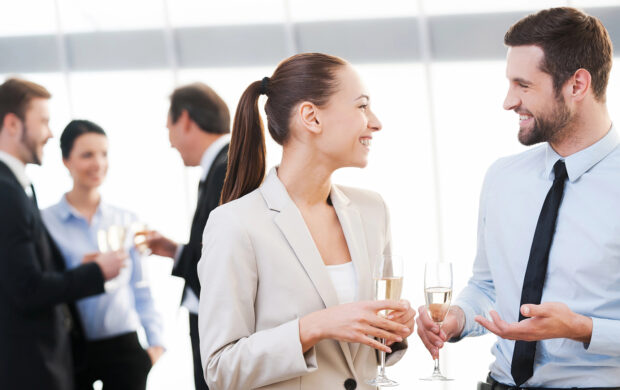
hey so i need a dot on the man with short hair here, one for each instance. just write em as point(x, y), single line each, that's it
point(548, 260)
point(40, 332)
point(199, 128)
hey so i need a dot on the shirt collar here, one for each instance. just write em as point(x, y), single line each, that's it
point(66, 211)
point(211, 153)
point(579, 163)
point(18, 168)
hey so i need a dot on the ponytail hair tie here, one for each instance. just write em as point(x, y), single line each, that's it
point(263, 86)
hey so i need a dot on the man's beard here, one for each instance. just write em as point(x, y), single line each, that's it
point(548, 128)
point(31, 148)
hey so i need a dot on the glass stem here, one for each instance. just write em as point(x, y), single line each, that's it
point(436, 370)
point(382, 357)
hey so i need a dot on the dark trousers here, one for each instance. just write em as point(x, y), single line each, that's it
point(119, 362)
point(199, 378)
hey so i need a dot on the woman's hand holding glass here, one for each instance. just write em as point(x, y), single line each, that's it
point(357, 322)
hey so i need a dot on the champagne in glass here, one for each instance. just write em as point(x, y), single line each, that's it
point(140, 230)
point(112, 239)
point(388, 276)
point(438, 295)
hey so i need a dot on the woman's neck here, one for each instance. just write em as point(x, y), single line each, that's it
point(307, 180)
point(84, 200)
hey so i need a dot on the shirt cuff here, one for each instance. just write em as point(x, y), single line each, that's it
point(604, 340)
point(177, 254)
point(471, 327)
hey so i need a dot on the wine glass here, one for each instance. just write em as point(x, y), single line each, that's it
point(388, 276)
point(438, 295)
point(113, 238)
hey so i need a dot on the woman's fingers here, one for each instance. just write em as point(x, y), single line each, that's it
point(382, 334)
point(374, 343)
point(383, 323)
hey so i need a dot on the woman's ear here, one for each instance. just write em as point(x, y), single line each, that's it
point(308, 116)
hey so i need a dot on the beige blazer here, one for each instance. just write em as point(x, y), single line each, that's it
point(260, 272)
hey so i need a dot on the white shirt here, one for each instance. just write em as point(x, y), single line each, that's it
point(190, 301)
point(19, 170)
point(344, 279)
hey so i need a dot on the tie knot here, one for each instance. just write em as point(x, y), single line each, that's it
point(559, 169)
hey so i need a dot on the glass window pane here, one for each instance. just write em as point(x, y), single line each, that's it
point(317, 10)
point(18, 18)
point(203, 13)
point(110, 15)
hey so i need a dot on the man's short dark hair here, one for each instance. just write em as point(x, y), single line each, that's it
point(571, 40)
point(15, 97)
point(204, 107)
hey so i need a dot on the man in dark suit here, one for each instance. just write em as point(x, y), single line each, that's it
point(199, 127)
point(40, 332)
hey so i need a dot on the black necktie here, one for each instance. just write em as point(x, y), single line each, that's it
point(33, 196)
point(201, 187)
point(523, 357)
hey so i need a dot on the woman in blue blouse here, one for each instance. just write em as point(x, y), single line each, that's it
point(110, 320)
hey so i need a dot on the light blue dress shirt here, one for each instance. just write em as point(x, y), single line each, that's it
point(584, 261)
point(121, 310)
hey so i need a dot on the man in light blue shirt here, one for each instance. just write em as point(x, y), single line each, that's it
point(558, 67)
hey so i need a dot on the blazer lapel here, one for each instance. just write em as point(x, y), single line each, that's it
point(351, 223)
point(292, 225)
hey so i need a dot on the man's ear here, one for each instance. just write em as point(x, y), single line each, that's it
point(184, 121)
point(308, 115)
point(11, 124)
point(580, 84)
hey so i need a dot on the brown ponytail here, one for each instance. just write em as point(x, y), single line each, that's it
point(246, 154)
point(302, 77)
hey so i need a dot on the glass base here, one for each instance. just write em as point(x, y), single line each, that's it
point(382, 381)
point(437, 376)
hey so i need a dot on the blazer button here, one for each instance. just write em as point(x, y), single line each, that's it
point(350, 384)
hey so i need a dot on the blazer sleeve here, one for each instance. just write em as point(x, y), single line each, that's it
point(22, 277)
point(234, 354)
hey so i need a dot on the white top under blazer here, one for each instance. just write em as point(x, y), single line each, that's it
point(261, 271)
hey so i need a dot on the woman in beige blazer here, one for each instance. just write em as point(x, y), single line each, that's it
point(287, 292)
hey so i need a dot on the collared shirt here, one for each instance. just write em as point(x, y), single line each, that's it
point(118, 311)
point(190, 301)
point(584, 261)
point(19, 170)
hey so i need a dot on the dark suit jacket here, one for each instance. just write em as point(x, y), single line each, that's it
point(38, 323)
point(208, 199)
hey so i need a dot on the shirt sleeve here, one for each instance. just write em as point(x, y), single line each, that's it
point(177, 254)
point(604, 340)
point(150, 317)
point(478, 297)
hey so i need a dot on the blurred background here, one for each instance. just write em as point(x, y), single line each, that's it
point(434, 70)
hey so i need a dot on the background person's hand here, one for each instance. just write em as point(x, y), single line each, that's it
point(90, 257)
point(549, 320)
point(111, 263)
point(155, 353)
point(432, 337)
point(159, 244)
point(356, 322)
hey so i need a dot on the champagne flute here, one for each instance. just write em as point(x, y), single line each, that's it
point(139, 231)
point(438, 295)
point(112, 238)
point(388, 276)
